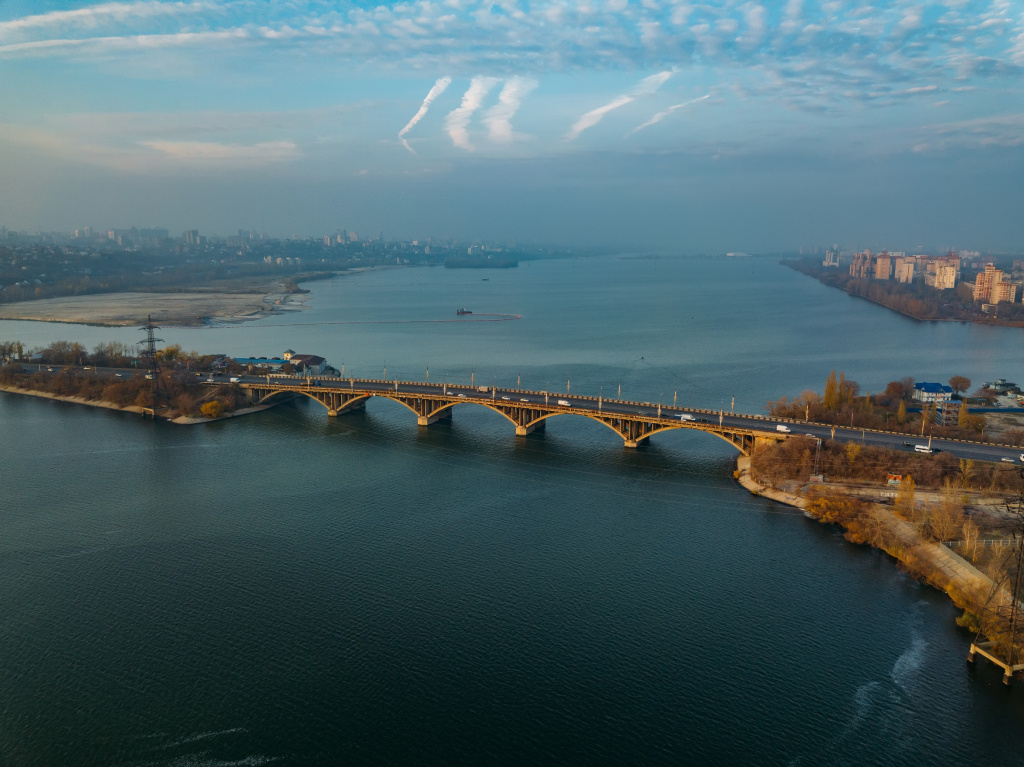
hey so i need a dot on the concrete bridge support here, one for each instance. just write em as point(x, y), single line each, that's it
point(523, 430)
point(426, 420)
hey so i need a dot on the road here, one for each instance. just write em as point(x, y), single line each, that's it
point(655, 413)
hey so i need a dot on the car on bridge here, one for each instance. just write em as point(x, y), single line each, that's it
point(685, 417)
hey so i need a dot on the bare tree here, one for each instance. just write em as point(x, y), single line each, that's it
point(947, 518)
point(959, 384)
point(905, 498)
point(970, 535)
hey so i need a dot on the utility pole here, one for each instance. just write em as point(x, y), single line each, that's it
point(675, 396)
point(149, 351)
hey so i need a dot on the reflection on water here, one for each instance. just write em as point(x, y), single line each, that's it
point(288, 588)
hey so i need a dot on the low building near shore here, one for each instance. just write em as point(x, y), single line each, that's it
point(932, 392)
point(307, 364)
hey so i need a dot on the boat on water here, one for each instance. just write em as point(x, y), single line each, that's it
point(462, 311)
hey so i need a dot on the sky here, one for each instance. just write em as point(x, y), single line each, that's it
point(722, 126)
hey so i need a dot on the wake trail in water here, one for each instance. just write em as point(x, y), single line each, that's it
point(482, 317)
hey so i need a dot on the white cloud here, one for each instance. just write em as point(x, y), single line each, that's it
point(458, 119)
point(208, 151)
point(97, 15)
point(645, 87)
point(498, 118)
point(440, 86)
point(665, 113)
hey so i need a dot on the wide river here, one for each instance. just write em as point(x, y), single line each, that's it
point(292, 589)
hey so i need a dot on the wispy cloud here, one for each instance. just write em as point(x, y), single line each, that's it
point(665, 113)
point(98, 15)
point(498, 118)
point(458, 119)
point(859, 47)
point(104, 46)
point(209, 151)
point(645, 87)
point(439, 87)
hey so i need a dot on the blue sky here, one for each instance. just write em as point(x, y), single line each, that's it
point(669, 125)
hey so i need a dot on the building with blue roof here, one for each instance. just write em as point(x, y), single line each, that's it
point(932, 392)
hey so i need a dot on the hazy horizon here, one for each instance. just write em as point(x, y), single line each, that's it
point(721, 127)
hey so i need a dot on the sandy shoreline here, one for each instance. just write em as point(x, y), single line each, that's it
point(168, 309)
point(195, 309)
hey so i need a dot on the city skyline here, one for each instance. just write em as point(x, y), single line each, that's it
point(723, 127)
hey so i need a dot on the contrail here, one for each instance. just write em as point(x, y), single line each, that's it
point(645, 87)
point(458, 119)
point(662, 115)
point(499, 117)
point(439, 87)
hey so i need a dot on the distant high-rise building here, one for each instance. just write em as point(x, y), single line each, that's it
point(940, 272)
point(883, 266)
point(990, 288)
point(191, 237)
point(831, 257)
point(904, 270)
point(861, 265)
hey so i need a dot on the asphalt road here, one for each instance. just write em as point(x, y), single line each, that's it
point(700, 418)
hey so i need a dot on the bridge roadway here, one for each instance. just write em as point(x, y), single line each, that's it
point(635, 422)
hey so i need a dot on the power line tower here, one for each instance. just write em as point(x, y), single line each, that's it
point(149, 353)
point(1002, 615)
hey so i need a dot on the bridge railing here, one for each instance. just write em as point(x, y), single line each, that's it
point(636, 403)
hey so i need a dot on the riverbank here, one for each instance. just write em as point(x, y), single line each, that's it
point(180, 420)
point(914, 301)
point(167, 309)
point(223, 302)
point(925, 560)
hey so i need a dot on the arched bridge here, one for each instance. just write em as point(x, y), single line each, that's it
point(633, 422)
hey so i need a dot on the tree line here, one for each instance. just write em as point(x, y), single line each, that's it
point(179, 386)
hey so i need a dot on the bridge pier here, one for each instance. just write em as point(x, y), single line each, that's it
point(429, 418)
point(351, 408)
point(522, 431)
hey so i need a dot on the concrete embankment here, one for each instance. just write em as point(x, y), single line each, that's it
point(931, 562)
point(180, 420)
